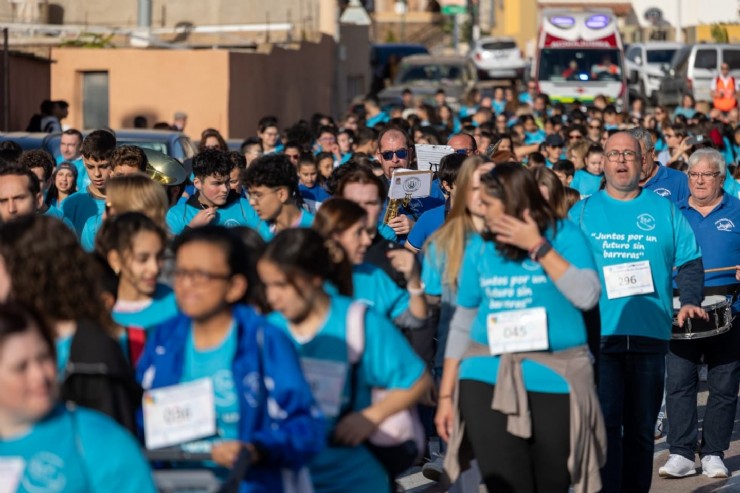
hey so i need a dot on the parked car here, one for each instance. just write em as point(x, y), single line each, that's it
point(173, 144)
point(497, 58)
point(380, 55)
point(425, 74)
point(646, 66)
point(692, 69)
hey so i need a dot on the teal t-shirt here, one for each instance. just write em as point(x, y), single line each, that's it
point(495, 285)
point(432, 270)
point(81, 206)
point(63, 347)
point(388, 362)
point(215, 363)
point(267, 231)
point(78, 451)
point(646, 228)
point(375, 288)
point(586, 183)
point(162, 308)
point(89, 231)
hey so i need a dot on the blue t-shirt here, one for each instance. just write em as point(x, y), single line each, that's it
point(718, 235)
point(387, 232)
point(83, 180)
point(536, 137)
point(376, 289)
point(52, 211)
point(64, 348)
point(381, 117)
point(387, 362)
point(81, 206)
point(268, 231)
point(586, 183)
point(730, 186)
point(162, 307)
point(428, 223)
point(313, 196)
point(687, 112)
point(215, 363)
point(236, 212)
point(79, 451)
point(90, 231)
point(646, 228)
point(669, 183)
point(494, 284)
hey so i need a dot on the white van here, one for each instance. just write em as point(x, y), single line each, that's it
point(692, 69)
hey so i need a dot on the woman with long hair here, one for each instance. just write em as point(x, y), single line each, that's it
point(63, 184)
point(552, 190)
point(346, 222)
point(294, 269)
point(212, 139)
point(48, 271)
point(517, 364)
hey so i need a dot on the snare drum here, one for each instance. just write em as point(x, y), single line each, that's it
point(718, 308)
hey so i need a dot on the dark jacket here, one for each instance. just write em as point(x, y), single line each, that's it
point(98, 376)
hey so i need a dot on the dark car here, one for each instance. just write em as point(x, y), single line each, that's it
point(381, 53)
point(35, 140)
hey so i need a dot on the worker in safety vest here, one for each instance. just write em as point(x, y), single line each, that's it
point(724, 89)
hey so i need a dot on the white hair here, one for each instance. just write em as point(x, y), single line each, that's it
point(710, 155)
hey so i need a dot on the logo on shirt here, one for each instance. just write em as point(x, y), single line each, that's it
point(231, 223)
point(530, 265)
point(45, 474)
point(223, 388)
point(724, 224)
point(646, 222)
point(663, 192)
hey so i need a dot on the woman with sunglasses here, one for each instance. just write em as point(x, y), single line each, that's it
point(247, 370)
point(46, 446)
point(296, 266)
point(526, 368)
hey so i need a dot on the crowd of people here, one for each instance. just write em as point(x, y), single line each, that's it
point(281, 323)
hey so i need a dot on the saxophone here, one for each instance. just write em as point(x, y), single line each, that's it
point(391, 212)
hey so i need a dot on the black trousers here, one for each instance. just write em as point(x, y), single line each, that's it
point(510, 464)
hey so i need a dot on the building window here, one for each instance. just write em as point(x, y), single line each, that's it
point(94, 100)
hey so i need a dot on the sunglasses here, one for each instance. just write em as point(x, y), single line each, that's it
point(575, 136)
point(462, 152)
point(400, 154)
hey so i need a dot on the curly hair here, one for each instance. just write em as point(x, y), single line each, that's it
point(273, 170)
point(211, 162)
point(38, 158)
point(99, 145)
point(129, 155)
point(50, 272)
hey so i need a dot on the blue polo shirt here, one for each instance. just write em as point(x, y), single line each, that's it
point(646, 228)
point(586, 183)
point(718, 235)
point(669, 183)
point(428, 223)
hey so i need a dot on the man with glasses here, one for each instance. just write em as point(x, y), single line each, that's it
point(214, 202)
point(715, 218)
point(395, 152)
point(637, 238)
point(724, 89)
point(666, 182)
point(272, 185)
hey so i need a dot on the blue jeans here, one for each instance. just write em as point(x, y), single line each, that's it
point(632, 371)
point(721, 356)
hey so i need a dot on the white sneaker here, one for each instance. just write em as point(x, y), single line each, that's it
point(677, 466)
point(659, 428)
point(713, 467)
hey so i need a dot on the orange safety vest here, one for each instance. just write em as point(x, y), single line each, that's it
point(723, 102)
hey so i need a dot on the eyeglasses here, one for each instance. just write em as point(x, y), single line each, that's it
point(595, 127)
point(257, 197)
point(695, 175)
point(400, 154)
point(463, 152)
point(613, 156)
point(197, 276)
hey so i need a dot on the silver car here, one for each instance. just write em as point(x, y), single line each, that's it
point(497, 58)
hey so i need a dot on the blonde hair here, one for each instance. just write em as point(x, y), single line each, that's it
point(581, 149)
point(137, 193)
point(452, 237)
point(548, 179)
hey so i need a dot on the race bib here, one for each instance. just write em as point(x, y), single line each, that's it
point(326, 379)
point(518, 331)
point(179, 413)
point(628, 279)
point(11, 472)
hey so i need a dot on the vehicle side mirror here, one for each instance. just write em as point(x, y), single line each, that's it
point(638, 60)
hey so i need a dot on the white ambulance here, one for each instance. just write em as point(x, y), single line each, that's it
point(580, 56)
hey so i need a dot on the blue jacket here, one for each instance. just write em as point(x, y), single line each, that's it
point(283, 422)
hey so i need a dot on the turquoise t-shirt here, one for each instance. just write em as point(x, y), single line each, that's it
point(494, 284)
point(63, 347)
point(81, 206)
point(215, 363)
point(267, 231)
point(53, 211)
point(78, 451)
point(388, 362)
point(586, 183)
point(89, 231)
point(432, 270)
point(375, 288)
point(646, 228)
point(162, 308)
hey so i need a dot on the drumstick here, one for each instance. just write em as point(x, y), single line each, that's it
point(721, 269)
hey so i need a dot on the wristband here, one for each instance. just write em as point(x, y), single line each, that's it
point(537, 253)
point(416, 291)
point(533, 250)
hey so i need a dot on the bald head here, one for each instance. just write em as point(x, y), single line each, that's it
point(622, 166)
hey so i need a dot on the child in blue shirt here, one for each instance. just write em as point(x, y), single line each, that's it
point(312, 192)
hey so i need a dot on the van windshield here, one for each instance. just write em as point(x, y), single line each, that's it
point(560, 65)
point(659, 57)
